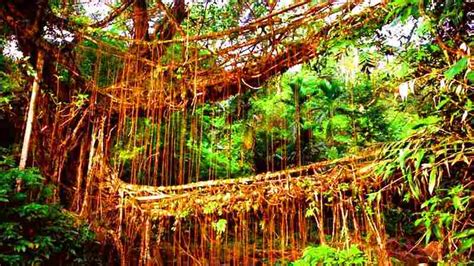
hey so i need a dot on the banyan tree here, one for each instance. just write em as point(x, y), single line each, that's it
point(115, 120)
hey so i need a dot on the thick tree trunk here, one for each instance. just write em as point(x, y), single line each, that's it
point(31, 111)
point(140, 20)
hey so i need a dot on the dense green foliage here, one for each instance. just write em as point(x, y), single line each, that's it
point(33, 230)
point(440, 215)
point(326, 255)
point(332, 114)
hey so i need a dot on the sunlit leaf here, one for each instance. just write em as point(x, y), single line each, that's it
point(419, 158)
point(457, 203)
point(456, 69)
point(433, 179)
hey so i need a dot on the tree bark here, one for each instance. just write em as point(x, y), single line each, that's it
point(31, 111)
point(140, 20)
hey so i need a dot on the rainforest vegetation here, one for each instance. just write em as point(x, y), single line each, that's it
point(237, 132)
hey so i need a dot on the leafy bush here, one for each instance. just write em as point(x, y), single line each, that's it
point(327, 255)
point(444, 216)
point(34, 231)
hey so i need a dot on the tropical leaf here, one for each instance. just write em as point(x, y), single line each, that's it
point(456, 69)
point(432, 180)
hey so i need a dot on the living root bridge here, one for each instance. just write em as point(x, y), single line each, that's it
point(146, 196)
point(234, 220)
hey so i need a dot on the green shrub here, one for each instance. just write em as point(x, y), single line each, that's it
point(34, 231)
point(327, 255)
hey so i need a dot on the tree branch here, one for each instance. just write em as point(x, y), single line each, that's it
point(112, 15)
